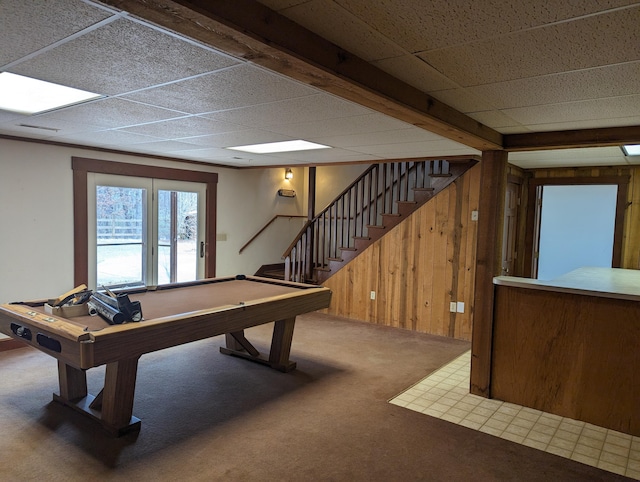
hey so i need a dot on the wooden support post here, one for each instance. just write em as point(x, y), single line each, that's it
point(73, 382)
point(281, 345)
point(118, 393)
point(493, 182)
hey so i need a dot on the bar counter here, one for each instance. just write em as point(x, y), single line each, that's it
point(570, 346)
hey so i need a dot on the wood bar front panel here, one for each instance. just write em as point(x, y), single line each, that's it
point(568, 354)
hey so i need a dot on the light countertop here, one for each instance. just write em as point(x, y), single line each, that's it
point(606, 282)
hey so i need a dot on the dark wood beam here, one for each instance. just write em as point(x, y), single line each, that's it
point(538, 141)
point(249, 30)
point(493, 180)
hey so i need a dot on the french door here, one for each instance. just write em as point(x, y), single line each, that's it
point(144, 232)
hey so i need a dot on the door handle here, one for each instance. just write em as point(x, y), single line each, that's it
point(202, 249)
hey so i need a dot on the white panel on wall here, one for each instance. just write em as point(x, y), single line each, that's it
point(576, 229)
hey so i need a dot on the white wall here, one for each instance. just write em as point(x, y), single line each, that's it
point(247, 201)
point(36, 216)
point(332, 180)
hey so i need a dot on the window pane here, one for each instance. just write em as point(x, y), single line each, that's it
point(120, 236)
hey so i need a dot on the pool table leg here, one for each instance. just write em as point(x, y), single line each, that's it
point(238, 345)
point(118, 392)
point(113, 406)
point(281, 345)
point(73, 382)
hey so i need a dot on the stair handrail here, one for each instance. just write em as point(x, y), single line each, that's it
point(272, 220)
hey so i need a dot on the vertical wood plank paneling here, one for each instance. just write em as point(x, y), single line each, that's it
point(631, 238)
point(411, 268)
point(441, 277)
point(424, 252)
point(473, 180)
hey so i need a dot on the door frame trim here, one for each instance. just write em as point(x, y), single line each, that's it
point(81, 166)
point(621, 203)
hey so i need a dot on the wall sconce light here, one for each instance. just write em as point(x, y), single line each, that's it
point(288, 174)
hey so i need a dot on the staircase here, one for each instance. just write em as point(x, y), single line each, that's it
point(381, 198)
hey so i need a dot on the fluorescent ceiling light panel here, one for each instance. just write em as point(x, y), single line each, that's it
point(286, 146)
point(633, 150)
point(31, 96)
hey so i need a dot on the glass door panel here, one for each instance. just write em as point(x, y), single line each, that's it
point(180, 230)
point(120, 235)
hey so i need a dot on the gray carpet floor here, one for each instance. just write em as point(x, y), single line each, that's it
point(207, 416)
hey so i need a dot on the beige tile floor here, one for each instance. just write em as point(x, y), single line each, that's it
point(445, 394)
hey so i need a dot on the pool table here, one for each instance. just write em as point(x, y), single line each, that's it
point(173, 315)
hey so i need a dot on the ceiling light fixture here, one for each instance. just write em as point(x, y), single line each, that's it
point(631, 150)
point(285, 146)
point(25, 95)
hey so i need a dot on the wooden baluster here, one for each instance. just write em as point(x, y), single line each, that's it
point(342, 221)
point(424, 175)
point(406, 181)
point(396, 177)
point(384, 188)
point(361, 207)
point(349, 213)
point(335, 231)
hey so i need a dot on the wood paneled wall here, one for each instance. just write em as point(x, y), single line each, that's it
point(631, 234)
point(418, 268)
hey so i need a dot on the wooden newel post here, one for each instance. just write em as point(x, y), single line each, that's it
point(311, 212)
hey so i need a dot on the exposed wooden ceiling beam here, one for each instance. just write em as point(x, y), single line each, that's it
point(538, 141)
point(249, 30)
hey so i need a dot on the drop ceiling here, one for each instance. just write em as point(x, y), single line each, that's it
point(515, 67)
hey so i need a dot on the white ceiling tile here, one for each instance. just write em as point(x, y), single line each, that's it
point(358, 124)
point(105, 138)
point(609, 81)
point(375, 138)
point(242, 137)
point(597, 156)
point(496, 120)
point(588, 42)
point(243, 85)
point(29, 125)
point(325, 155)
point(121, 57)
point(182, 127)
point(108, 113)
point(332, 22)
point(414, 149)
point(417, 25)
point(29, 30)
point(586, 124)
point(598, 109)
point(164, 146)
point(311, 108)
point(463, 100)
point(278, 5)
point(416, 72)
